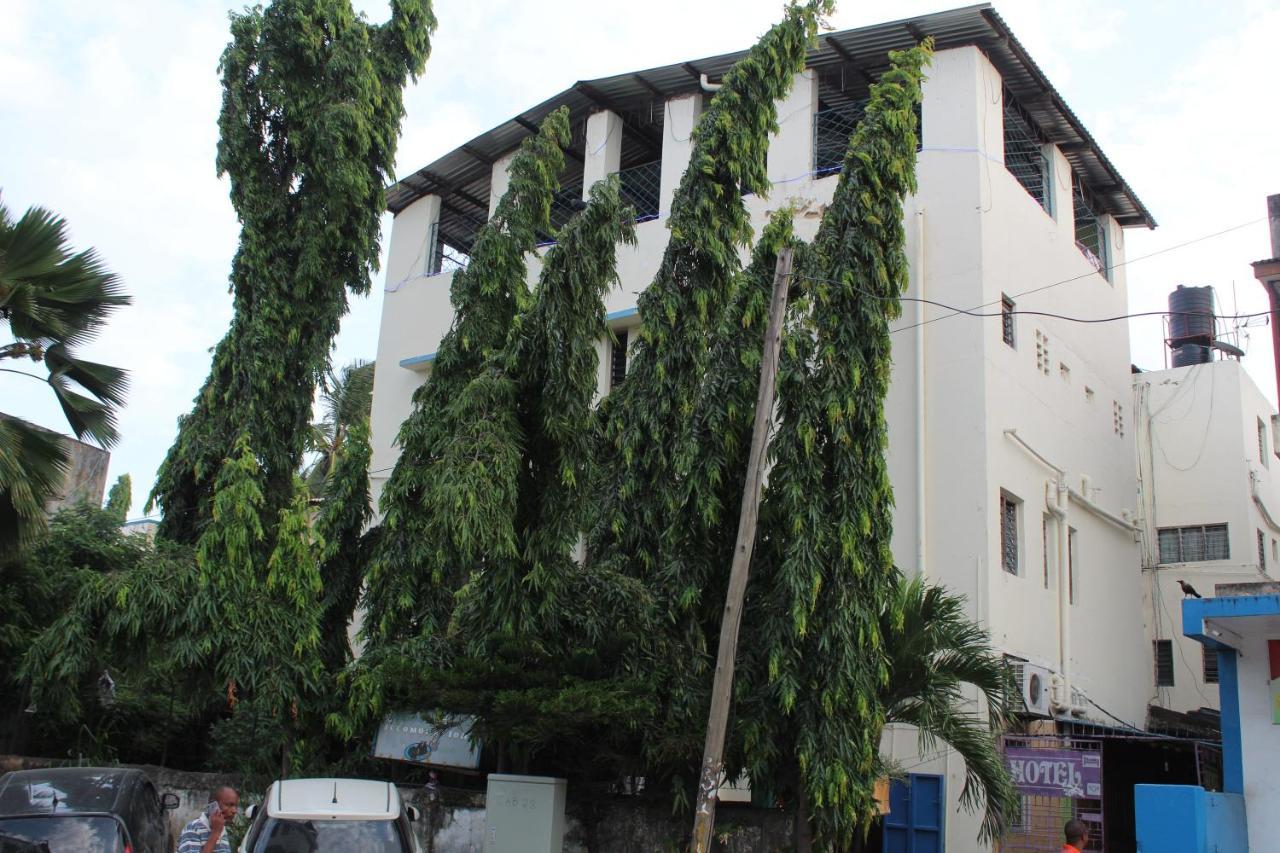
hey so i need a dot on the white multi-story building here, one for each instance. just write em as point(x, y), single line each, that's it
point(1210, 473)
point(1011, 447)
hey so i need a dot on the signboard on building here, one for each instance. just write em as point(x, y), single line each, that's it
point(442, 740)
point(1071, 773)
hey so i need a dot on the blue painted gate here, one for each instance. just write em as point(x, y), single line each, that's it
point(914, 821)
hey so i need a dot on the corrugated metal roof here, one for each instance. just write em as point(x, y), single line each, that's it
point(462, 176)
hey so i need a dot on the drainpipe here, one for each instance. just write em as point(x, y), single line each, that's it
point(708, 86)
point(921, 507)
point(1055, 501)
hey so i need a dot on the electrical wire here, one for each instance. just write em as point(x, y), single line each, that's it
point(1126, 262)
point(986, 314)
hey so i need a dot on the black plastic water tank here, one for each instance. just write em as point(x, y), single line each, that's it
point(1190, 354)
point(1190, 316)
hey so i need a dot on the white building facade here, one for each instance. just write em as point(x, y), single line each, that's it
point(1011, 444)
point(1211, 508)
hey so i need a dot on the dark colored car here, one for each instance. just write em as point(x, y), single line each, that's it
point(65, 809)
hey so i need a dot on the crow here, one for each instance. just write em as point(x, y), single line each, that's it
point(1189, 590)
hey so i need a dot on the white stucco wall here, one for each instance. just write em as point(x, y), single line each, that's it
point(973, 234)
point(1260, 739)
point(1197, 440)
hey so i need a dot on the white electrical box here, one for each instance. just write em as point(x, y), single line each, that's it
point(524, 814)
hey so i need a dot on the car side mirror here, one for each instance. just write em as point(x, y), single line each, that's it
point(413, 813)
point(169, 801)
point(251, 811)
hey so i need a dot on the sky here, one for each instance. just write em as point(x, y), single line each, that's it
point(108, 116)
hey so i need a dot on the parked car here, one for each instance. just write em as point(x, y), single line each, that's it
point(330, 816)
point(81, 809)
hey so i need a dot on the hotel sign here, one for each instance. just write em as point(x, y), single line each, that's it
point(1070, 773)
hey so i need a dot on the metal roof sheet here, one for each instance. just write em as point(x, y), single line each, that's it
point(461, 177)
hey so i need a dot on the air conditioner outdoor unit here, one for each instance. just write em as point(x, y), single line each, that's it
point(1035, 684)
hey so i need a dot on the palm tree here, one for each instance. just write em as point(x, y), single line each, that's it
point(51, 301)
point(346, 400)
point(935, 654)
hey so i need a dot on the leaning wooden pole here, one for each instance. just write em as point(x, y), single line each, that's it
point(722, 689)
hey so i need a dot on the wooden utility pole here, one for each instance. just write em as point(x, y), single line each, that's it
point(704, 818)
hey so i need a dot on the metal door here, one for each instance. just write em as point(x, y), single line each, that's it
point(914, 821)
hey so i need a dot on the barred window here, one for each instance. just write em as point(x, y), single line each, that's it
point(1009, 533)
point(1194, 544)
point(1164, 662)
point(1091, 232)
point(1006, 321)
point(1024, 155)
point(1210, 664)
point(1262, 443)
point(618, 360)
point(1262, 551)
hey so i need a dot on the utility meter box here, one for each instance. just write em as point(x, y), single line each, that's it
point(524, 814)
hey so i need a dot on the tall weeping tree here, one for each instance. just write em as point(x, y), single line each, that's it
point(533, 641)
point(647, 422)
point(827, 572)
point(311, 110)
point(422, 557)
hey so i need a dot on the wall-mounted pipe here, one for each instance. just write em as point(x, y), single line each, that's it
point(921, 424)
point(1055, 501)
point(707, 85)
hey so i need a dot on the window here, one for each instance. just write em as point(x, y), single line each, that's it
point(1064, 371)
point(1043, 359)
point(1164, 662)
point(1071, 565)
point(1088, 394)
point(1009, 533)
point(618, 359)
point(1194, 544)
point(1210, 664)
point(1262, 551)
point(1006, 321)
point(1025, 156)
point(433, 247)
point(1091, 231)
point(1262, 443)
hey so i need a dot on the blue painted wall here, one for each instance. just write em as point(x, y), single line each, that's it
point(1188, 819)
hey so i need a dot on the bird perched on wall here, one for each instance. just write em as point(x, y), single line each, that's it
point(1189, 590)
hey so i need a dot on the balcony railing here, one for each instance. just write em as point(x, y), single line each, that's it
point(642, 189)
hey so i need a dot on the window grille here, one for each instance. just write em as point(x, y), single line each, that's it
point(1262, 443)
point(1024, 155)
point(434, 253)
point(834, 126)
point(1164, 662)
point(1006, 321)
point(832, 129)
point(618, 360)
point(642, 189)
point(1193, 544)
point(1009, 534)
point(1091, 235)
point(566, 202)
point(1209, 664)
point(1262, 551)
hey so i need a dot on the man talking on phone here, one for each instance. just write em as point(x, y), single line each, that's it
point(207, 833)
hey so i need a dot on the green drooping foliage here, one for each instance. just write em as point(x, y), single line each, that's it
point(120, 498)
point(96, 600)
point(827, 571)
point(935, 655)
point(423, 556)
point(311, 110)
point(52, 301)
point(647, 449)
point(524, 639)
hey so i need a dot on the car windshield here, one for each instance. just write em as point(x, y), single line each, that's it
point(329, 836)
point(62, 834)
